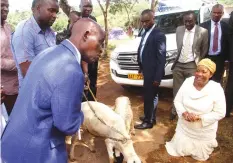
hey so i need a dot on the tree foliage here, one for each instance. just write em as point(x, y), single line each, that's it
point(123, 5)
point(226, 2)
point(14, 18)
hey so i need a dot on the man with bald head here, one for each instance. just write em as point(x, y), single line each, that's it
point(49, 105)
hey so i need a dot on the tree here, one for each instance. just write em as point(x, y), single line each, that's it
point(120, 5)
point(153, 4)
point(104, 9)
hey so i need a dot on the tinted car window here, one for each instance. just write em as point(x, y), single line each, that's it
point(169, 22)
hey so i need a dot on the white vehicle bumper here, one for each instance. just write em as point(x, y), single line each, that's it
point(120, 76)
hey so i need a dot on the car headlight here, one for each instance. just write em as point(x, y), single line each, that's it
point(114, 56)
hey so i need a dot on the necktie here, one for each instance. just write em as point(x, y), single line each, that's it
point(143, 37)
point(140, 45)
point(187, 46)
point(215, 39)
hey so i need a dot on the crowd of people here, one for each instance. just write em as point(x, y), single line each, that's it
point(43, 78)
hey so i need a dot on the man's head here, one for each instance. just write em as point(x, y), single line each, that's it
point(88, 37)
point(189, 20)
point(217, 12)
point(86, 8)
point(73, 17)
point(45, 11)
point(147, 19)
point(4, 10)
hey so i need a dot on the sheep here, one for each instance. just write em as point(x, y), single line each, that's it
point(123, 108)
point(101, 120)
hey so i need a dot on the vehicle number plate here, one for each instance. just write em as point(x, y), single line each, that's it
point(135, 76)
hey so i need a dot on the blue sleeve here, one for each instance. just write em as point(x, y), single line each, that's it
point(23, 45)
point(161, 57)
point(66, 102)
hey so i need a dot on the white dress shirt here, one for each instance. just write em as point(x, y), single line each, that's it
point(212, 38)
point(78, 55)
point(144, 41)
point(190, 55)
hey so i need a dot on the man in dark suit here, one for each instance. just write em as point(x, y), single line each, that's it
point(229, 87)
point(192, 46)
point(151, 59)
point(218, 40)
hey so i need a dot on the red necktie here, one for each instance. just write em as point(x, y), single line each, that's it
point(215, 40)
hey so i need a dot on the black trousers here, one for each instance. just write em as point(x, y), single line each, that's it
point(219, 61)
point(150, 92)
point(92, 72)
point(229, 90)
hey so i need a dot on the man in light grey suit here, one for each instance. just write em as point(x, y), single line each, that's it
point(192, 46)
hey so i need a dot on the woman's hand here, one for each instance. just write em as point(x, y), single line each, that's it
point(191, 117)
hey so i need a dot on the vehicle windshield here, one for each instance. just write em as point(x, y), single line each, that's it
point(169, 22)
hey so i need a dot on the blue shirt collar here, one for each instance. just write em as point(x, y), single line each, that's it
point(68, 44)
point(36, 26)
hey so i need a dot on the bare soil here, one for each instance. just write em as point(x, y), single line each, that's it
point(149, 144)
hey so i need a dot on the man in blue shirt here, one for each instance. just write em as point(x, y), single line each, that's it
point(49, 105)
point(34, 35)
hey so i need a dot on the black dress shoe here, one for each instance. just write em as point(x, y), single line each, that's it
point(142, 119)
point(172, 116)
point(144, 125)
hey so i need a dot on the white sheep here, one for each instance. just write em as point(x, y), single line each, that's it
point(101, 120)
point(123, 108)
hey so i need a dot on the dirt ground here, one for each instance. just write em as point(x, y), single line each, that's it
point(149, 144)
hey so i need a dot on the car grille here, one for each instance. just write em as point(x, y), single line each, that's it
point(128, 61)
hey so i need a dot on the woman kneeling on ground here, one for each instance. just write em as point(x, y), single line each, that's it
point(200, 104)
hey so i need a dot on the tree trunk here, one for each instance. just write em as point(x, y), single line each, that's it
point(153, 5)
point(105, 13)
point(106, 36)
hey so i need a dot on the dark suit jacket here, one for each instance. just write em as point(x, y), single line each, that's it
point(224, 40)
point(153, 56)
point(230, 56)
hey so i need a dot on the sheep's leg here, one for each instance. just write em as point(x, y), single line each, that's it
point(132, 130)
point(89, 141)
point(110, 145)
point(74, 142)
point(117, 153)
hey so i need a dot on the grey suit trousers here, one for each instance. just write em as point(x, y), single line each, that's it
point(181, 71)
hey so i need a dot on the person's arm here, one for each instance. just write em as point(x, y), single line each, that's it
point(66, 102)
point(8, 64)
point(24, 67)
point(219, 109)
point(231, 24)
point(2, 94)
point(23, 47)
point(84, 67)
point(161, 56)
point(178, 101)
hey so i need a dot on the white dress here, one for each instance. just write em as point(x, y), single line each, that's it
point(197, 139)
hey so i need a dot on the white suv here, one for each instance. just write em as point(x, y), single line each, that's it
point(123, 61)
